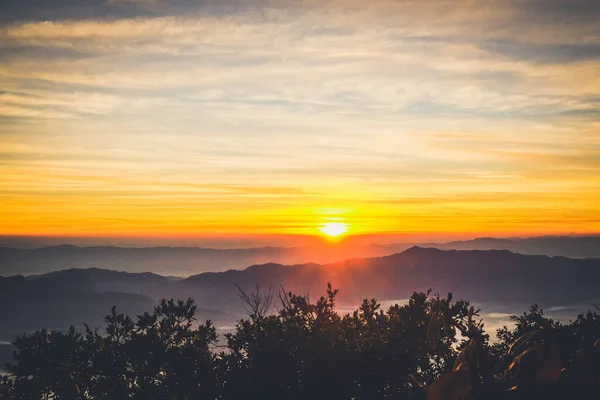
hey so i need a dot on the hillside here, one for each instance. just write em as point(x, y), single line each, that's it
point(496, 275)
point(178, 261)
point(186, 261)
point(565, 246)
point(77, 295)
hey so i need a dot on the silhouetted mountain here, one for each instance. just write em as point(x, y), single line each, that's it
point(73, 296)
point(186, 261)
point(179, 261)
point(101, 280)
point(565, 246)
point(497, 275)
point(29, 304)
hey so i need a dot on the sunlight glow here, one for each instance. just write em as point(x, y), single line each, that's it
point(334, 229)
point(180, 123)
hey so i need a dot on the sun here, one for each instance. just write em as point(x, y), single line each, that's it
point(333, 229)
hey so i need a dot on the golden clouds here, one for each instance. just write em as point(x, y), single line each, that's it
point(407, 116)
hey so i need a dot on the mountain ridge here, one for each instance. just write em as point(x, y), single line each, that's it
point(477, 275)
point(185, 261)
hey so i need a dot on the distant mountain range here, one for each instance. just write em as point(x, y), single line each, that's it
point(74, 296)
point(566, 246)
point(493, 275)
point(179, 261)
point(57, 299)
point(186, 261)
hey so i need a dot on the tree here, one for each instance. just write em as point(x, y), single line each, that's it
point(431, 348)
point(159, 356)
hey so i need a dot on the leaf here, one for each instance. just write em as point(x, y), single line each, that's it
point(454, 385)
point(551, 367)
point(433, 331)
point(449, 327)
point(541, 363)
point(523, 340)
point(469, 356)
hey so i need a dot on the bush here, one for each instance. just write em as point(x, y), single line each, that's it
point(431, 348)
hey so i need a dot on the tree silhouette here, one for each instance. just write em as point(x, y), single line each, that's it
point(159, 356)
point(432, 348)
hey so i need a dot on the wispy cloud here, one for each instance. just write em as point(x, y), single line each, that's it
point(288, 107)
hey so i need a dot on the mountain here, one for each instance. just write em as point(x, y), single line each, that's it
point(186, 261)
point(495, 275)
point(177, 261)
point(30, 304)
point(566, 246)
point(180, 261)
point(73, 296)
point(97, 280)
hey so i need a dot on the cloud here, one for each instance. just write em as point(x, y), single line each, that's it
point(194, 51)
point(406, 106)
point(544, 53)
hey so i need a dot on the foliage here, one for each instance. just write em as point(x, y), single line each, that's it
point(160, 356)
point(431, 348)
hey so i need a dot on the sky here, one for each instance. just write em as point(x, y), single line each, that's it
point(272, 117)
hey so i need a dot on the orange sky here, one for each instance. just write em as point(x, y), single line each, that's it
point(421, 118)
